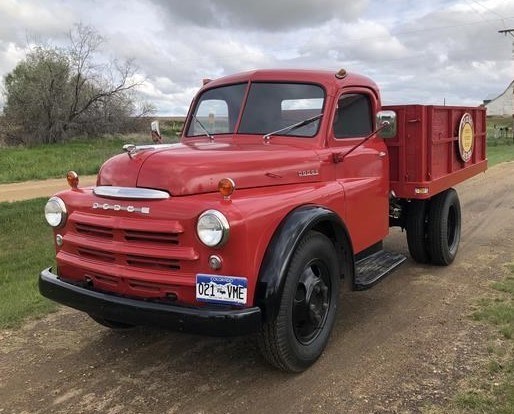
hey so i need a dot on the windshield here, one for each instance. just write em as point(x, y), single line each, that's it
point(274, 106)
point(217, 111)
point(269, 107)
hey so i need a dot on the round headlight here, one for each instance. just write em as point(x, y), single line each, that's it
point(212, 228)
point(55, 212)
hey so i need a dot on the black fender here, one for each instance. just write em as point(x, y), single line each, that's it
point(280, 250)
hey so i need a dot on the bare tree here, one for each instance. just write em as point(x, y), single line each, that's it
point(57, 92)
point(95, 83)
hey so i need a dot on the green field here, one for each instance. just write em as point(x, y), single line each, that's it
point(499, 153)
point(25, 249)
point(500, 144)
point(83, 155)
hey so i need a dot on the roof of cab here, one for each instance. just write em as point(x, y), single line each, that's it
point(324, 77)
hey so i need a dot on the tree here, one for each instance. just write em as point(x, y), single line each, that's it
point(56, 92)
point(36, 92)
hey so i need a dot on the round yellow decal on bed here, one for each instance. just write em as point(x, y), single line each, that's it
point(466, 137)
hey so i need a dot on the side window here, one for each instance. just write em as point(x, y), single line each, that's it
point(353, 117)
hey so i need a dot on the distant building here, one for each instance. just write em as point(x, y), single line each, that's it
point(502, 104)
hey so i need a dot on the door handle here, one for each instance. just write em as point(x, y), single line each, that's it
point(382, 154)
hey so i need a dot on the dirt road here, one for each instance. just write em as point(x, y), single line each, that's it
point(402, 345)
point(33, 189)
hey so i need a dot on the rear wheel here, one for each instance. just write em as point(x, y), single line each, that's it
point(300, 332)
point(444, 227)
point(417, 226)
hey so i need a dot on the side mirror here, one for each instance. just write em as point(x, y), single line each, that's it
point(156, 133)
point(386, 124)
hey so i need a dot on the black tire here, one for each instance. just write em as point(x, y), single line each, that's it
point(444, 227)
point(300, 332)
point(111, 324)
point(417, 227)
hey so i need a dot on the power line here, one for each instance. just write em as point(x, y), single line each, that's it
point(490, 10)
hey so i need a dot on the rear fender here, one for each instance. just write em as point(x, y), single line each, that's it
point(291, 230)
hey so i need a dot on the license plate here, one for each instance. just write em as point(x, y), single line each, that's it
point(221, 289)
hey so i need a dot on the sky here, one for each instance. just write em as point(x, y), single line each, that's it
point(417, 51)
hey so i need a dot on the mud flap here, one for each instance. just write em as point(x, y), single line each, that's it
point(374, 267)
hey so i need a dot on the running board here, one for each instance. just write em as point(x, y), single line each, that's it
point(374, 267)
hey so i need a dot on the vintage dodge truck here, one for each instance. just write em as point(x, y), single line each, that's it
point(284, 183)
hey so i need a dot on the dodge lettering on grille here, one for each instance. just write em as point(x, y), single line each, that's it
point(119, 207)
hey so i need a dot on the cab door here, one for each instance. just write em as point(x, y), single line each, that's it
point(363, 172)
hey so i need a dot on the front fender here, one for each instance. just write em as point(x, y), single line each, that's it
point(279, 252)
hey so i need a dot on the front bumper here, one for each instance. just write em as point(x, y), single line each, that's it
point(138, 312)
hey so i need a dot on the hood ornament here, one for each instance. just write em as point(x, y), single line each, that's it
point(130, 149)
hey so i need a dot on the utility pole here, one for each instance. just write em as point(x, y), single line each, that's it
point(511, 32)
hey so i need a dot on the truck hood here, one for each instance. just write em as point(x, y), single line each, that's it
point(194, 168)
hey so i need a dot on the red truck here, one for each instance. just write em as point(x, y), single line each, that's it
point(284, 182)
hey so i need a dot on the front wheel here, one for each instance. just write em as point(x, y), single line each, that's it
point(444, 227)
point(295, 339)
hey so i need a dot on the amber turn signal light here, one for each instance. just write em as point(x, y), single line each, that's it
point(73, 179)
point(226, 187)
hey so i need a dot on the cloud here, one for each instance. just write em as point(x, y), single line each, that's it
point(10, 55)
point(361, 40)
point(23, 21)
point(268, 15)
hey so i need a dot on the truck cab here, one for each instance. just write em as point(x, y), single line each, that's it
point(280, 187)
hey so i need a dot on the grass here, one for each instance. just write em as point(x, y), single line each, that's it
point(500, 145)
point(83, 155)
point(25, 249)
point(500, 310)
point(499, 152)
point(492, 390)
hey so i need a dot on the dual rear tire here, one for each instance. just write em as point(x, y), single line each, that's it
point(433, 228)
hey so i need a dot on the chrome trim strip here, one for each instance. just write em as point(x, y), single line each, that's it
point(130, 192)
point(132, 149)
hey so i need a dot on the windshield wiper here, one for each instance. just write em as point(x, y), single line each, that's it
point(205, 130)
point(292, 127)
